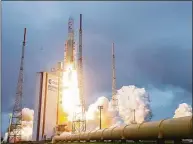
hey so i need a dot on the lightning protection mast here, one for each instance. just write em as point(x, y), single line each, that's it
point(81, 85)
point(114, 89)
point(79, 119)
point(16, 121)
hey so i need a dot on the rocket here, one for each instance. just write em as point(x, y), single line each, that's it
point(69, 54)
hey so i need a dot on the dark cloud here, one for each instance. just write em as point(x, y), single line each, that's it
point(153, 42)
point(164, 64)
point(164, 101)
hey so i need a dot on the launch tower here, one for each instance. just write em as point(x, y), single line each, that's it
point(16, 121)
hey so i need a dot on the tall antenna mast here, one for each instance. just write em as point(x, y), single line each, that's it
point(16, 121)
point(114, 89)
point(81, 67)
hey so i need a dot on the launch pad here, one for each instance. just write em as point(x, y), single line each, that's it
point(79, 118)
point(78, 122)
point(58, 89)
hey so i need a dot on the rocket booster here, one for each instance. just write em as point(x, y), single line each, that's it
point(69, 55)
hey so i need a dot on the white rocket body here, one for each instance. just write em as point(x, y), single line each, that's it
point(69, 54)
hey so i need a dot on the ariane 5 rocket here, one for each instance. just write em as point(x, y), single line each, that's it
point(69, 52)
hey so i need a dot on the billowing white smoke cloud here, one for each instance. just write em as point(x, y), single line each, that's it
point(5, 137)
point(27, 124)
point(183, 110)
point(108, 117)
point(27, 114)
point(129, 98)
point(133, 99)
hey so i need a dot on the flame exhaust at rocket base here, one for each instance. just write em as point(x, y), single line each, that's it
point(69, 55)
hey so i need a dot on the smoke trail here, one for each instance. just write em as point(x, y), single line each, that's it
point(183, 110)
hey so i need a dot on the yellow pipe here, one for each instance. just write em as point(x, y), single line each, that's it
point(168, 129)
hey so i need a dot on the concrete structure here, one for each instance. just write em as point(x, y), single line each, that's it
point(45, 116)
point(61, 115)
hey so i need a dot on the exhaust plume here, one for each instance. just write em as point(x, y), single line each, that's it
point(27, 124)
point(130, 98)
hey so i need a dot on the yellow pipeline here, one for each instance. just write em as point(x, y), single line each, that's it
point(168, 129)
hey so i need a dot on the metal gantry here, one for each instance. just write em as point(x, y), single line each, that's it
point(16, 120)
point(78, 122)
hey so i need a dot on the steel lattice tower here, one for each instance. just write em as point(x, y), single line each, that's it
point(80, 118)
point(114, 89)
point(16, 121)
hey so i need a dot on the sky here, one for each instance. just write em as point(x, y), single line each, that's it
point(153, 47)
